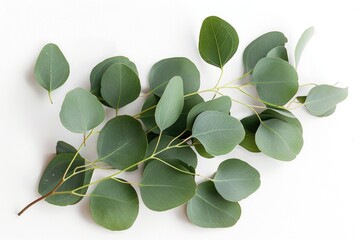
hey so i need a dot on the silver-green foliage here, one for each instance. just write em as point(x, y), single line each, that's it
point(176, 125)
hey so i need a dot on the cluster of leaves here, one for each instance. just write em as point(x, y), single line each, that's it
point(174, 126)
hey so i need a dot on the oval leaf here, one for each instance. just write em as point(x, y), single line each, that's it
point(120, 85)
point(98, 71)
point(218, 41)
point(276, 80)
point(51, 68)
point(221, 104)
point(208, 209)
point(260, 47)
point(218, 132)
point(303, 41)
point(54, 173)
point(235, 180)
point(81, 111)
point(251, 125)
point(279, 139)
point(163, 188)
point(184, 153)
point(323, 99)
point(63, 147)
point(122, 142)
point(164, 70)
point(278, 52)
point(114, 205)
point(171, 104)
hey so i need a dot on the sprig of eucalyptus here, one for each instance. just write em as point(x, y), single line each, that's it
point(174, 124)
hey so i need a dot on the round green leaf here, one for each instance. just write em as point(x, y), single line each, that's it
point(221, 104)
point(98, 71)
point(278, 52)
point(208, 209)
point(114, 205)
point(218, 41)
point(276, 80)
point(235, 180)
point(170, 104)
point(279, 139)
point(164, 70)
point(163, 188)
point(184, 154)
point(218, 132)
point(260, 47)
point(51, 68)
point(122, 142)
point(81, 111)
point(303, 41)
point(120, 85)
point(54, 173)
point(323, 99)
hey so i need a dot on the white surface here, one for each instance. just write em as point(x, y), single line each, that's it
point(314, 197)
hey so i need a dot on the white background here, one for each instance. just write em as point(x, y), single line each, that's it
point(316, 196)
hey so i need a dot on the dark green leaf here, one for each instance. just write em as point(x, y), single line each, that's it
point(99, 70)
point(170, 104)
point(218, 132)
point(221, 104)
point(54, 173)
point(201, 150)
point(148, 113)
point(81, 111)
point(51, 68)
point(278, 52)
point(163, 188)
point(63, 147)
point(322, 99)
point(185, 154)
point(235, 180)
point(279, 139)
point(164, 70)
point(276, 80)
point(120, 85)
point(251, 124)
point(122, 142)
point(208, 209)
point(301, 99)
point(260, 47)
point(303, 41)
point(218, 41)
point(114, 205)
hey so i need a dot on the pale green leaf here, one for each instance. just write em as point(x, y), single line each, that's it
point(303, 41)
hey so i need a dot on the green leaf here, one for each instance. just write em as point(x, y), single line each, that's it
point(251, 125)
point(303, 41)
point(278, 52)
point(276, 80)
point(148, 117)
point(122, 142)
point(218, 41)
point(98, 71)
point(170, 104)
point(163, 188)
point(184, 154)
point(260, 47)
point(283, 115)
point(51, 68)
point(114, 205)
point(63, 147)
point(279, 139)
point(235, 180)
point(120, 85)
point(164, 70)
point(218, 132)
point(301, 99)
point(54, 173)
point(81, 111)
point(221, 104)
point(208, 209)
point(322, 99)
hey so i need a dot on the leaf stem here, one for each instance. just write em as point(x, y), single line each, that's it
point(49, 94)
point(218, 81)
